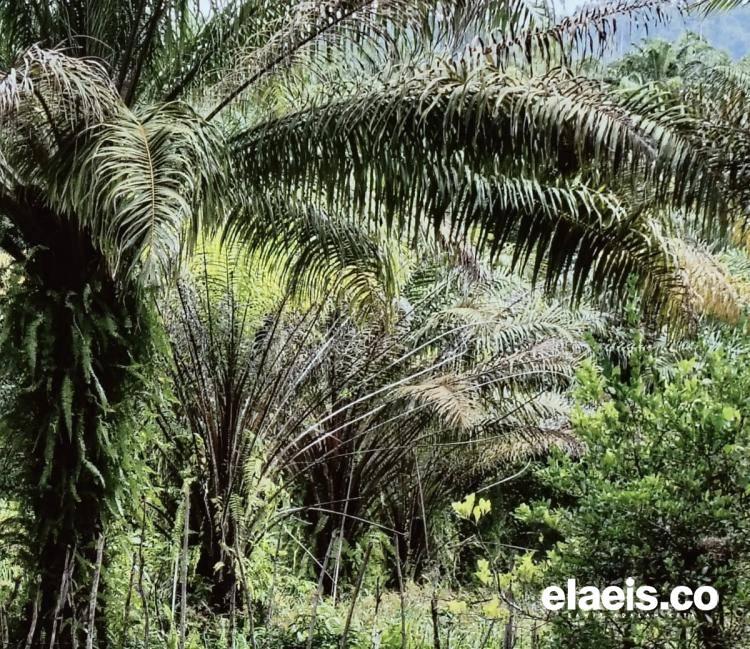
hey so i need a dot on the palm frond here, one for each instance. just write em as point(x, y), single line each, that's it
point(371, 142)
point(127, 37)
point(717, 95)
point(73, 93)
point(708, 6)
point(710, 288)
point(317, 253)
point(142, 183)
point(201, 48)
point(531, 442)
point(330, 24)
point(449, 396)
point(588, 32)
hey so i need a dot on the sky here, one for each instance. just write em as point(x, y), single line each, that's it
point(729, 31)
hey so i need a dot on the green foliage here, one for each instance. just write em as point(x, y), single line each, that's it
point(661, 494)
point(327, 635)
point(467, 509)
point(350, 384)
point(76, 358)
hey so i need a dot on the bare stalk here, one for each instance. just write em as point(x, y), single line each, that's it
point(174, 586)
point(357, 588)
point(378, 600)
point(34, 618)
point(400, 590)
point(95, 591)
point(249, 608)
point(62, 594)
point(318, 595)
point(233, 619)
point(487, 634)
point(144, 601)
point(128, 599)
point(3, 628)
point(73, 622)
point(186, 533)
point(341, 535)
point(509, 639)
point(435, 621)
point(141, 590)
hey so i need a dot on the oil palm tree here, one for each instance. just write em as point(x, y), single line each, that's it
point(128, 127)
point(717, 92)
point(224, 335)
point(396, 421)
point(461, 377)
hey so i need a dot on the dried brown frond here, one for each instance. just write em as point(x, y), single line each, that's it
point(710, 288)
point(450, 396)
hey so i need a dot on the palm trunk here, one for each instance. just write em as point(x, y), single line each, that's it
point(214, 566)
point(81, 340)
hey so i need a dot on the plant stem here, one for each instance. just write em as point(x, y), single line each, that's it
point(400, 590)
point(185, 538)
point(357, 588)
point(94, 591)
point(318, 594)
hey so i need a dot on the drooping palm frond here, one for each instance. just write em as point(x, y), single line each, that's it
point(401, 147)
point(452, 397)
point(139, 183)
point(557, 121)
point(382, 35)
point(717, 94)
point(499, 321)
point(409, 144)
point(142, 183)
point(130, 38)
point(588, 31)
point(317, 253)
point(47, 98)
point(312, 24)
point(373, 141)
point(54, 96)
point(720, 5)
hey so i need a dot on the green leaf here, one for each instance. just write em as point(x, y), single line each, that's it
point(465, 507)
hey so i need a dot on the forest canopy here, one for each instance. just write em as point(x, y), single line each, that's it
point(359, 323)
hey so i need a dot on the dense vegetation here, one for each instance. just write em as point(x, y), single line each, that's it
point(357, 323)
